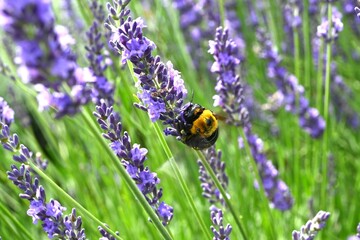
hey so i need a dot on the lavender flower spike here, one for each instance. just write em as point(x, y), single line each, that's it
point(276, 190)
point(44, 55)
point(161, 89)
point(292, 93)
point(357, 11)
point(6, 113)
point(49, 213)
point(228, 88)
point(337, 26)
point(312, 227)
point(230, 98)
point(217, 219)
point(210, 191)
point(102, 88)
point(133, 158)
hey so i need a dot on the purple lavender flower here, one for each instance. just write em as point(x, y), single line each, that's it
point(102, 88)
point(6, 113)
point(190, 14)
point(341, 95)
point(292, 92)
point(72, 17)
point(313, 7)
point(228, 88)
point(105, 235)
point(198, 22)
point(161, 89)
point(132, 158)
point(229, 97)
point(337, 26)
point(312, 227)
point(292, 11)
point(51, 213)
point(275, 189)
point(44, 55)
point(210, 191)
point(357, 11)
point(220, 232)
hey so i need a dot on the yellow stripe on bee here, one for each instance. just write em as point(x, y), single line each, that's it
point(205, 125)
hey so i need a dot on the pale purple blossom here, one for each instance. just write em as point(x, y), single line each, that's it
point(220, 232)
point(312, 227)
point(132, 158)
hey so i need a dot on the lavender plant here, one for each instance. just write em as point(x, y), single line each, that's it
point(229, 97)
point(292, 92)
point(46, 60)
point(97, 57)
point(54, 222)
point(340, 93)
point(44, 55)
point(312, 227)
point(220, 232)
point(132, 158)
point(330, 34)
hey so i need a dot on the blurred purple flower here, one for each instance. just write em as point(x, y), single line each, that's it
point(313, 7)
point(96, 55)
point(341, 96)
point(105, 235)
point(337, 26)
point(132, 158)
point(292, 13)
point(6, 113)
point(312, 227)
point(275, 189)
point(357, 11)
point(44, 55)
point(292, 92)
point(230, 98)
point(198, 22)
point(220, 232)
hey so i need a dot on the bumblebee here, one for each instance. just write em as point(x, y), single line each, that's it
point(197, 126)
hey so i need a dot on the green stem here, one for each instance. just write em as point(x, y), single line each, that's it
point(131, 184)
point(307, 47)
point(297, 53)
point(222, 191)
point(181, 180)
point(296, 139)
point(328, 63)
point(319, 86)
point(326, 108)
point(222, 12)
point(69, 199)
point(19, 226)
